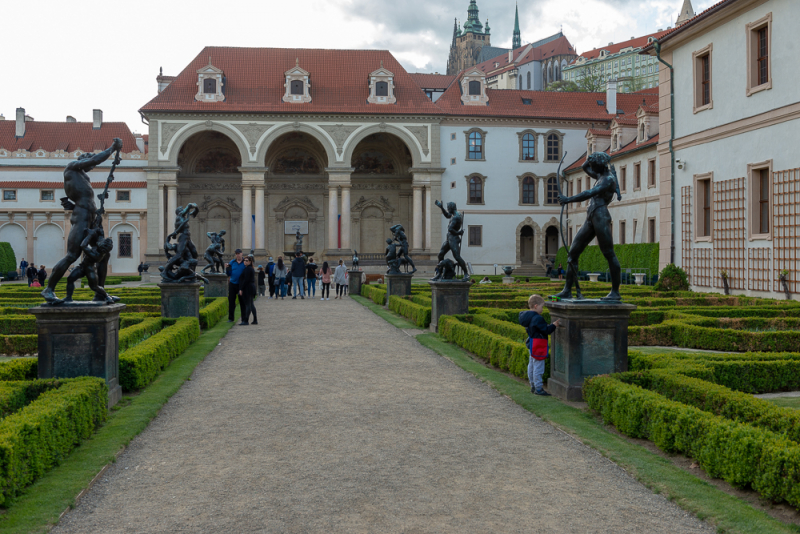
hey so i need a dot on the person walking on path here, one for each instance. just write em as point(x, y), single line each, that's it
point(23, 265)
point(262, 281)
point(325, 276)
point(247, 291)
point(31, 272)
point(41, 276)
point(298, 276)
point(311, 277)
point(271, 277)
point(280, 274)
point(340, 279)
point(236, 267)
point(538, 331)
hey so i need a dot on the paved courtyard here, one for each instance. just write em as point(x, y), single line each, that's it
point(324, 418)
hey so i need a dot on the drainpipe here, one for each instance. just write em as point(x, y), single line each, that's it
point(657, 47)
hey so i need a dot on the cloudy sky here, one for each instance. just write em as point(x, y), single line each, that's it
point(68, 58)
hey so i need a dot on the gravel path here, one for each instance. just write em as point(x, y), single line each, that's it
point(303, 424)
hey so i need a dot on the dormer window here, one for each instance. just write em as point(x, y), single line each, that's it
point(473, 88)
point(298, 85)
point(381, 86)
point(210, 84)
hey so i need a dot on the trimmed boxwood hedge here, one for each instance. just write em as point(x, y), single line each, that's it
point(216, 309)
point(133, 335)
point(375, 293)
point(19, 369)
point(421, 315)
point(632, 255)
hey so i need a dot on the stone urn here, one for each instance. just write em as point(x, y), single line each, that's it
point(508, 270)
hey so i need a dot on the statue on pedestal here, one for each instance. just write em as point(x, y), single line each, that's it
point(85, 218)
point(355, 260)
point(452, 243)
point(597, 225)
point(214, 252)
point(399, 234)
point(181, 266)
point(392, 260)
point(298, 244)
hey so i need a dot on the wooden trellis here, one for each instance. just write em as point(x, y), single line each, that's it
point(702, 266)
point(729, 232)
point(758, 271)
point(686, 230)
point(786, 229)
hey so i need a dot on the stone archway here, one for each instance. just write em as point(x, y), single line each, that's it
point(218, 214)
point(301, 209)
point(371, 219)
point(526, 248)
point(532, 241)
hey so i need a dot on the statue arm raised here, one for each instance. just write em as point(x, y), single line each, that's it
point(587, 168)
point(97, 159)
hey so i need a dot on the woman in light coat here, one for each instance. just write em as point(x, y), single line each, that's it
point(340, 279)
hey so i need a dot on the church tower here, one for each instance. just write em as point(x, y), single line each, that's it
point(465, 50)
point(687, 12)
point(516, 40)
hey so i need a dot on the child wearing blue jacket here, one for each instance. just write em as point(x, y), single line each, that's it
point(537, 330)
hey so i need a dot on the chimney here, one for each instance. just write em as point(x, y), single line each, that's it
point(70, 118)
point(139, 141)
point(97, 119)
point(510, 56)
point(20, 122)
point(2, 117)
point(611, 97)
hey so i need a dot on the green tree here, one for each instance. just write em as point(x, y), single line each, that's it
point(590, 79)
point(563, 85)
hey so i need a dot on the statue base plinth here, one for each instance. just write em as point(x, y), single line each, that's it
point(180, 300)
point(592, 339)
point(354, 282)
point(80, 341)
point(449, 297)
point(217, 285)
point(398, 285)
point(508, 279)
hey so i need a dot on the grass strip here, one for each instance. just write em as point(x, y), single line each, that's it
point(726, 512)
point(390, 317)
point(41, 505)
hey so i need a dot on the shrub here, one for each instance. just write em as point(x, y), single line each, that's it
point(376, 293)
point(8, 261)
point(421, 315)
point(672, 278)
point(213, 312)
point(19, 369)
point(633, 255)
point(133, 335)
point(19, 345)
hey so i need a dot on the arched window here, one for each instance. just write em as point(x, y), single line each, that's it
point(553, 147)
point(381, 89)
point(528, 190)
point(529, 79)
point(297, 87)
point(475, 190)
point(552, 190)
point(474, 88)
point(475, 145)
point(209, 86)
point(556, 73)
point(528, 147)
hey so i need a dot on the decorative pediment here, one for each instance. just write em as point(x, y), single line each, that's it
point(381, 86)
point(363, 203)
point(473, 88)
point(298, 85)
point(210, 84)
point(210, 202)
point(303, 202)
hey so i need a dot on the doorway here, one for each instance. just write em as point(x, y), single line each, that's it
point(526, 245)
point(551, 241)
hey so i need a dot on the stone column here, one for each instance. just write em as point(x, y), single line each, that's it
point(428, 208)
point(417, 218)
point(253, 181)
point(161, 228)
point(333, 212)
point(247, 218)
point(346, 217)
point(172, 201)
point(260, 221)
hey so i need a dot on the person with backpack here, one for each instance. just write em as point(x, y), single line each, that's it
point(325, 277)
point(311, 277)
point(340, 279)
point(41, 276)
point(31, 273)
point(298, 276)
point(247, 291)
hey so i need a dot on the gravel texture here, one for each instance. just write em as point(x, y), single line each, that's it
point(324, 418)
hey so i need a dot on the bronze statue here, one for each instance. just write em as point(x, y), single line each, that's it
point(181, 266)
point(96, 248)
point(215, 251)
point(392, 259)
point(355, 260)
point(400, 236)
point(298, 244)
point(85, 215)
point(453, 241)
point(597, 225)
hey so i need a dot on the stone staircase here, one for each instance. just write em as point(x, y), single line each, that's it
point(530, 270)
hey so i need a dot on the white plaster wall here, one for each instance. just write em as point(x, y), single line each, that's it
point(535, 68)
point(123, 265)
point(48, 245)
point(729, 70)
point(15, 235)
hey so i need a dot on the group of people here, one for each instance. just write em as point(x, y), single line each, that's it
point(36, 277)
point(299, 278)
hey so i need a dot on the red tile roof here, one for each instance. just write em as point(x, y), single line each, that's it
point(604, 133)
point(697, 18)
point(638, 42)
point(67, 136)
point(557, 47)
point(255, 82)
point(432, 81)
point(630, 147)
point(60, 185)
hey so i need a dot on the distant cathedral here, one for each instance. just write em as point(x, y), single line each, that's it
point(472, 44)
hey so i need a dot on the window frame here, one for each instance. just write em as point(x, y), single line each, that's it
point(699, 207)
point(119, 244)
point(754, 205)
point(560, 151)
point(293, 84)
point(482, 180)
point(652, 173)
point(117, 199)
point(652, 230)
point(751, 29)
point(471, 84)
point(206, 86)
point(697, 78)
point(547, 190)
point(479, 228)
point(622, 233)
point(16, 197)
point(467, 134)
point(379, 85)
point(43, 191)
point(521, 138)
point(521, 178)
point(623, 178)
point(637, 176)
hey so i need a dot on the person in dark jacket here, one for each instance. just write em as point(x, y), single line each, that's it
point(23, 265)
point(234, 270)
point(298, 274)
point(271, 276)
point(262, 281)
point(140, 268)
point(42, 276)
point(538, 331)
point(311, 277)
point(247, 291)
point(31, 273)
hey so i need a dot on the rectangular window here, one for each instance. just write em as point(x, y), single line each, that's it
point(209, 86)
point(760, 195)
point(651, 230)
point(759, 64)
point(703, 96)
point(623, 179)
point(622, 232)
point(570, 235)
point(452, 161)
point(763, 200)
point(123, 196)
point(296, 87)
point(381, 89)
point(637, 176)
point(635, 227)
point(651, 173)
point(476, 236)
point(452, 137)
point(9, 194)
point(47, 195)
point(125, 246)
point(704, 215)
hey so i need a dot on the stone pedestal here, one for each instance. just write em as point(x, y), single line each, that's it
point(639, 277)
point(80, 340)
point(180, 300)
point(217, 285)
point(354, 282)
point(398, 285)
point(448, 298)
point(593, 277)
point(508, 279)
point(592, 339)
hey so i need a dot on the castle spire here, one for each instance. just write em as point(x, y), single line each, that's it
point(455, 30)
point(517, 38)
point(687, 12)
point(473, 23)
